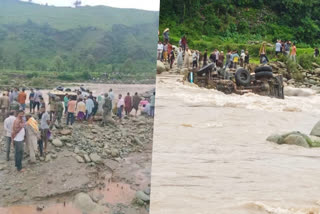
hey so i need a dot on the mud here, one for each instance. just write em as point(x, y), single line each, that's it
point(51, 185)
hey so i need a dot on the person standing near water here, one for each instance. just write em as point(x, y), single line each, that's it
point(180, 58)
point(135, 102)
point(65, 101)
point(120, 106)
point(8, 125)
point(293, 52)
point(205, 58)
point(128, 104)
point(172, 57)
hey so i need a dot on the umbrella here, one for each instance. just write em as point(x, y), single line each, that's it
point(167, 29)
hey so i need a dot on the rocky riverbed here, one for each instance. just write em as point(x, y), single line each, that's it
point(107, 168)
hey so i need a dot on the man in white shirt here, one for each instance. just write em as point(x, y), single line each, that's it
point(8, 124)
point(278, 47)
point(159, 50)
point(17, 136)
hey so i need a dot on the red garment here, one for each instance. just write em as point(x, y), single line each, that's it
point(184, 41)
point(128, 103)
point(169, 48)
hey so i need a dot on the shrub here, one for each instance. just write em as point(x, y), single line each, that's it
point(305, 60)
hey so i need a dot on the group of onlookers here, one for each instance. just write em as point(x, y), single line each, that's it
point(286, 48)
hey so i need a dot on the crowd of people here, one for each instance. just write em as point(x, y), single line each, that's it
point(34, 126)
point(286, 48)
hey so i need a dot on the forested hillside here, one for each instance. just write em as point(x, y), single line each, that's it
point(238, 21)
point(90, 40)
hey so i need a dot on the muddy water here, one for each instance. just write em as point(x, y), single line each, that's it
point(210, 154)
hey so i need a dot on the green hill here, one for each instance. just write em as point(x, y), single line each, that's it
point(230, 23)
point(91, 40)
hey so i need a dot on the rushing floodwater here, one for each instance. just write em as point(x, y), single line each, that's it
point(210, 154)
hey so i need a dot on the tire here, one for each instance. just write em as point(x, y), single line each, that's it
point(242, 77)
point(264, 75)
point(262, 69)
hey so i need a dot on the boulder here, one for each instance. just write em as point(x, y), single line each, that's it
point(142, 196)
point(316, 71)
point(57, 142)
point(316, 130)
point(296, 139)
point(160, 67)
point(79, 159)
point(115, 153)
point(95, 158)
point(275, 138)
point(87, 158)
point(84, 203)
point(66, 132)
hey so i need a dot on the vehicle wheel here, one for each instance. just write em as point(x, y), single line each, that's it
point(68, 89)
point(262, 69)
point(264, 75)
point(242, 77)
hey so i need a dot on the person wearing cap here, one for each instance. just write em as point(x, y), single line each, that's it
point(32, 137)
point(8, 125)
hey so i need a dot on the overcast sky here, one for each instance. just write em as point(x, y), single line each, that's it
point(137, 4)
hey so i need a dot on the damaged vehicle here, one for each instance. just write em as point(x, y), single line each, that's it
point(240, 81)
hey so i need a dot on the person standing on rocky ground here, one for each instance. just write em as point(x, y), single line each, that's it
point(152, 104)
point(128, 104)
point(65, 101)
point(58, 112)
point(37, 97)
point(169, 51)
point(180, 58)
point(246, 60)
point(184, 43)
point(81, 110)
point(89, 109)
point(159, 50)
point(8, 125)
point(17, 138)
point(95, 108)
point(135, 102)
point(217, 56)
point(194, 59)
point(14, 105)
point(205, 58)
point(316, 52)
point(4, 105)
point(44, 127)
point(263, 54)
point(278, 47)
point(172, 57)
point(111, 96)
point(32, 137)
point(107, 108)
point(293, 53)
point(14, 95)
point(187, 58)
point(71, 110)
point(287, 47)
point(22, 97)
point(220, 60)
point(212, 57)
point(165, 52)
point(166, 35)
point(52, 105)
point(120, 106)
point(242, 56)
point(31, 101)
point(228, 60)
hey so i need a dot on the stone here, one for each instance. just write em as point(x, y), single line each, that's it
point(275, 138)
point(160, 67)
point(142, 196)
point(79, 159)
point(57, 142)
point(87, 158)
point(115, 153)
point(54, 156)
point(147, 191)
point(295, 139)
point(48, 158)
point(316, 130)
point(95, 158)
point(66, 132)
point(84, 202)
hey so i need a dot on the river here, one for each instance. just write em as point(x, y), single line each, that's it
point(210, 154)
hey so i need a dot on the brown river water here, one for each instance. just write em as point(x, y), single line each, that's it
point(210, 154)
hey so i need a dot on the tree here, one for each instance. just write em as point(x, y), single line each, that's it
point(77, 3)
point(58, 64)
point(91, 63)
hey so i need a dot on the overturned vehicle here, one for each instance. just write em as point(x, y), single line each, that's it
point(240, 81)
